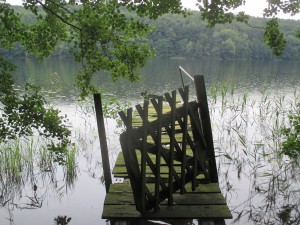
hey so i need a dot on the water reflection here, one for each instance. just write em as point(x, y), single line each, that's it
point(158, 76)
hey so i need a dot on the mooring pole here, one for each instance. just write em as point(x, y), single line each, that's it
point(102, 138)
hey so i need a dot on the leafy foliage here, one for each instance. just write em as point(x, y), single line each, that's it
point(189, 37)
point(219, 12)
point(26, 113)
point(291, 144)
point(274, 37)
point(102, 37)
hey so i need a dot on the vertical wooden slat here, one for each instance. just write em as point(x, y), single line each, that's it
point(102, 138)
point(130, 158)
point(184, 138)
point(196, 130)
point(200, 146)
point(195, 171)
point(205, 118)
point(172, 145)
point(143, 156)
point(158, 153)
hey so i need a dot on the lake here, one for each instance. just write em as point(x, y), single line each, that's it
point(249, 102)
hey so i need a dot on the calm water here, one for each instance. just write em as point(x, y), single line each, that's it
point(248, 103)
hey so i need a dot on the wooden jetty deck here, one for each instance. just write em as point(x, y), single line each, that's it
point(167, 173)
point(206, 202)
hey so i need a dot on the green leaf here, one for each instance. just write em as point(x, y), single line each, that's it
point(274, 38)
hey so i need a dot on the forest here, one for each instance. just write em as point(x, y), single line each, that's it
point(176, 36)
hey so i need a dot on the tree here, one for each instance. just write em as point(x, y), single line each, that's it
point(103, 36)
point(220, 12)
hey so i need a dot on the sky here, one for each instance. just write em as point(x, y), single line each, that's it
point(252, 7)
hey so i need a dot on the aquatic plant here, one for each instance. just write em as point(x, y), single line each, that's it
point(27, 170)
point(28, 113)
point(248, 141)
point(70, 167)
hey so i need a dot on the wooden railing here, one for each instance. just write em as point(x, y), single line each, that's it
point(168, 134)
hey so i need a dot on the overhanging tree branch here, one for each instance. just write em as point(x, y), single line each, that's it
point(58, 16)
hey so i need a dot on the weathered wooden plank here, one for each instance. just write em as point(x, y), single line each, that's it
point(202, 188)
point(143, 166)
point(164, 169)
point(150, 139)
point(166, 118)
point(206, 125)
point(137, 122)
point(185, 98)
point(120, 158)
point(151, 177)
point(175, 212)
point(121, 171)
point(158, 153)
point(207, 222)
point(172, 147)
point(126, 198)
point(166, 108)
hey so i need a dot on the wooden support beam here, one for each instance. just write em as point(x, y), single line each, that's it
point(205, 119)
point(158, 153)
point(172, 146)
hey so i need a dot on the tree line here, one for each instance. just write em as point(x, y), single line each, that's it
point(176, 36)
point(189, 37)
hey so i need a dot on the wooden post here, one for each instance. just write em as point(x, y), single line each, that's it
point(184, 138)
point(205, 118)
point(172, 145)
point(143, 156)
point(158, 153)
point(131, 161)
point(102, 138)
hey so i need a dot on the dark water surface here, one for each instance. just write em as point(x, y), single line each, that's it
point(249, 101)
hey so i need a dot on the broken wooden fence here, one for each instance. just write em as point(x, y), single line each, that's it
point(188, 151)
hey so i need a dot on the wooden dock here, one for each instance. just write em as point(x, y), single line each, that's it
point(167, 165)
point(205, 203)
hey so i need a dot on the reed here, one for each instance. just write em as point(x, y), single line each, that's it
point(249, 139)
point(28, 163)
point(71, 167)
